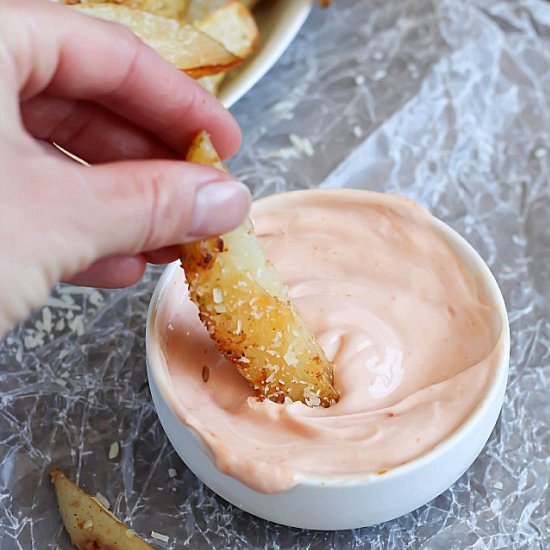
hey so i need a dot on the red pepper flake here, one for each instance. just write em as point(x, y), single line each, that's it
point(390, 414)
point(381, 472)
point(205, 374)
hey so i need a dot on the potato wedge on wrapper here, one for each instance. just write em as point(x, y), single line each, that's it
point(245, 307)
point(90, 525)
point(184, 46)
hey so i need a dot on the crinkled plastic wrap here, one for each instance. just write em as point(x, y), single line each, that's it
point(445, 102)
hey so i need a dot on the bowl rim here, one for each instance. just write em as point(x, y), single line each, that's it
point(267, 54)
point(496, 385)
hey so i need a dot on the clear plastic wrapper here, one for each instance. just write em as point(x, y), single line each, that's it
point(447, 102)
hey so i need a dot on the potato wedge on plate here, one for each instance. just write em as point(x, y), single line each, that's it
point(212, 83)
point(167, 8)
point(184, 46)
point(234, 26)
point(90, 525)
point(244, 305)
point(199, 9)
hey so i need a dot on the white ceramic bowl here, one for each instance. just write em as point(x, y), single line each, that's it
point(337, 503)
point(279, 22)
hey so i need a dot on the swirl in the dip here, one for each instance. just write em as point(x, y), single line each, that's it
point(407, 326)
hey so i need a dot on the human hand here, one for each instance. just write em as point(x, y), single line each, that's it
point(93, 88)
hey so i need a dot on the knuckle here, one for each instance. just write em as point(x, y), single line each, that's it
point(151, 192)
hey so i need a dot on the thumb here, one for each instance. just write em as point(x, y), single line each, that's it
point(145, 205)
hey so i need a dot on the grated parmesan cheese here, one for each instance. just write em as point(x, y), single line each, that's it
point(160, 536)
point(290, 358)
point(217, 295)
point(540, 153)
point(379, 75)
point(102, 500)
point(303, 145)
point(114, 450)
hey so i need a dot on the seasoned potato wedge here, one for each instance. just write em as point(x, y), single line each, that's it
point(167, 8)
point(199, 9)
point(212, 83)
point(89, 525)
point(244, 305)
point(233, 26)
point(184, 46)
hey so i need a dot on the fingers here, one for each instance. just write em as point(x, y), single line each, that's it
point(123, 271)
point(163, 255)
point(112, 272)
point(130, 207)
point(89, 131)
point(80, 57)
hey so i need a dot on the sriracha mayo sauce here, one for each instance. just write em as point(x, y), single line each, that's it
point(409, 330)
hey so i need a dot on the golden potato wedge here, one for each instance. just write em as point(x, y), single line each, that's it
point(199, 9)
point(245, 307)
point(233, 26)
point(167, 8)
point(89, 524)
point(212, 83)
point(182, 45)
point(202, 151)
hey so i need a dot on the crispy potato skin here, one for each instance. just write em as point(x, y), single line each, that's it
point(167, 8)
point(234, 26)
point(245, 308)
point(185, 46)
point(90, 526)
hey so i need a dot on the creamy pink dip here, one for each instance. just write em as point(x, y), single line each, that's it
point(408, 329)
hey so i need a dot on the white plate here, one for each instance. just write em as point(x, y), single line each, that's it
point(279, 22)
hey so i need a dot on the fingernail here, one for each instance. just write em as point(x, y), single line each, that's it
point(219, 207)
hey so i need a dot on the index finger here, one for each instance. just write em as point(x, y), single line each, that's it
point(105, 62)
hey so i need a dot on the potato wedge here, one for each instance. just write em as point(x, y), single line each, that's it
point(199, 9)
point(167, 8)
point(89, 525)
point(212, 83)
point(245, 307)
point(233, 26)
point(182, 45)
